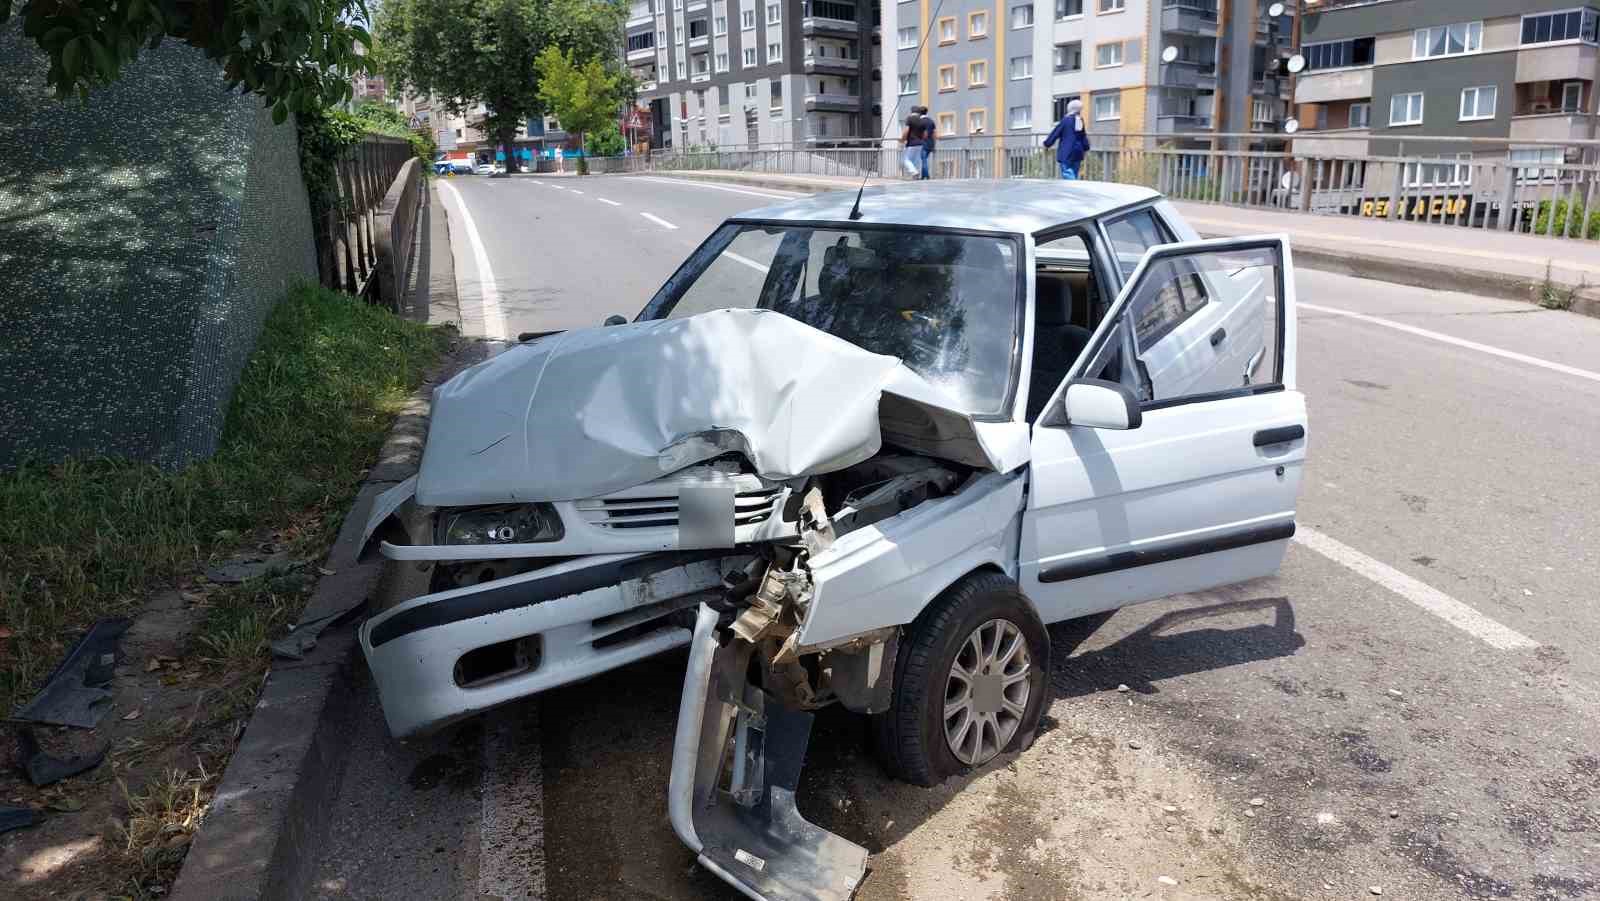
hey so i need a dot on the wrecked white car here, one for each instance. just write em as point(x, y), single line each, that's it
point(856, 453)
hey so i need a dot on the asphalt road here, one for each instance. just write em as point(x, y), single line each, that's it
point(1413, 701)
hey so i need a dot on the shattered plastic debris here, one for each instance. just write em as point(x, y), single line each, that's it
point(73, 695)
point(303, 636)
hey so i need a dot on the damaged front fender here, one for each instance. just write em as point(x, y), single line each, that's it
point(736, 762)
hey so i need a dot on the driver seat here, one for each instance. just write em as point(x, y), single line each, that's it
point(1056, 341)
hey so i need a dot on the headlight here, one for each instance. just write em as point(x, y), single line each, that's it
point(511, 524)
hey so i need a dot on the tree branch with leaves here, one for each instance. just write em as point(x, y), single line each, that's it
point(297, 54)
point(583, 96)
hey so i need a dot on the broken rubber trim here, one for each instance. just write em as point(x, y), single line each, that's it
point(1110, 563)
point(499, 599)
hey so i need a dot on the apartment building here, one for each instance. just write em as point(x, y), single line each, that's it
point(1179, 69)
point(742, 72)
point(1383, 70)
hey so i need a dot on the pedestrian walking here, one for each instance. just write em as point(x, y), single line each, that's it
point(911, 140)
point(930, 136)
point(1071, 140)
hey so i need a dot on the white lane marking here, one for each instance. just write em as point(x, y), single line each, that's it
point(558, 187)
point(1458, 342)
point(685, 182)
point(488, 312)
point(1422, 594)
point(745, 260)
point(659, 221)
point(511, 857)
point(575, 190)
point(612, 202)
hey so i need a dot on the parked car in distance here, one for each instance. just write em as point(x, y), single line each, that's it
point(906, 431)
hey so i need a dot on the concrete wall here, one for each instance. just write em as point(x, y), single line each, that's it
point(1405, 15)
point(148, 232)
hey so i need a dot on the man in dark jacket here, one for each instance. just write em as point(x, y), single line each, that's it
point(1071, 140)
point(930, 135)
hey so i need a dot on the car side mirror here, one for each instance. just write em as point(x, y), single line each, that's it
point(614, 319)
point(1098, 404)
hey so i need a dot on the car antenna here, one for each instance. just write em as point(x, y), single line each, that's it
point(894, 114)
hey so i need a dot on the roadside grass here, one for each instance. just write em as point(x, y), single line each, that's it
point(85, 539)
point(1556, 296)
point(162, 819)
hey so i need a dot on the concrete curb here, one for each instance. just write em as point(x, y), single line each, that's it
point(1417, 274)
point(260, 838)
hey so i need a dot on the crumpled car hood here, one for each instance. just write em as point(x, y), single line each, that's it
point(587, 412)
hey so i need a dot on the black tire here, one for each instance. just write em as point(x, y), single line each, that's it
point(910, 735)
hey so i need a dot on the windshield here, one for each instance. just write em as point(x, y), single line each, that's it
point(946, 304)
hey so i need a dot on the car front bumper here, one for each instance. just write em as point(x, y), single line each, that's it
point(444, 656)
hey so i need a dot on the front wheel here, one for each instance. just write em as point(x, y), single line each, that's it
point(971, 682)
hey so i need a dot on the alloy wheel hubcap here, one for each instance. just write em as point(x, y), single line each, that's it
point(986, 692)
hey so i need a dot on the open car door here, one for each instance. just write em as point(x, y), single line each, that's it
point(1170, 458)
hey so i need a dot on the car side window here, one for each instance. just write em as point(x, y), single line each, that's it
point(1133, 234)
point(1199, 323)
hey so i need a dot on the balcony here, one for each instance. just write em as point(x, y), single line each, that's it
point(1557, 126)
point(1185, 73)
point(826, 64)
point(1181, 123)
point(1338, 84)
point(646, 87)
point(815, 25)
point(1333, 142)
point(701, 41)
point(642, 55)
point(1556, 63)
point(844, 103)
point(698, 77)
point(1191, 21)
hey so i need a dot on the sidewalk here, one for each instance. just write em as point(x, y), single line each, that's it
point(1474, 261)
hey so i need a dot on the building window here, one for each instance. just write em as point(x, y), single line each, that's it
point(747, 19)
point(1572, 25)
point(1021, 117)
point(977, 120)
point(1069, 9)
point(677, 33)
point(1107, 56)
point(1069, 57)
point(701, 64)
point(908, 85)
point(1108, 107)
point(750, 91)
point(1441, 174)
point(1361, 115)
point(680, 68)
point(1113, 6)
point(1572, 97)
point(1021, 67)
point(1447, 40)
point(977, 73)
point(749, 57)
point(777, 94)
point(947, 30)
point(907, 38)
point(947, 78)
point(827, 9)
point(1478, 103)
point(1338, 54)
point(677, 4)
point(722, 62)
point(1405, 109)
point(977, 25)
point(774, 53)
point(719, 25)
point(641, 41)
point(1527, 164)
point(947, 124)
point(697, 28)
point(1022, 17)
point(1259, 111)
point(774, 13)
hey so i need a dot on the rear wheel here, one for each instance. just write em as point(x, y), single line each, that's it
point(971, 682)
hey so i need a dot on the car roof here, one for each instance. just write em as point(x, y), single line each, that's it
point(1019, 205)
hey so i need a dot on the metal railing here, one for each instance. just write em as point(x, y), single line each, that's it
point(347, 243)
point(1533, 187)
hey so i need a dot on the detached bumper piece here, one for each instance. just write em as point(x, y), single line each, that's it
point(736, 762)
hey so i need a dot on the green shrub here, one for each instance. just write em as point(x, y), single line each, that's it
point(1559, 219)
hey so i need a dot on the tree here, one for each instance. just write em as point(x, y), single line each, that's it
point(584, 96)
point(469, 53)
point(298, 55)
point(607, 141)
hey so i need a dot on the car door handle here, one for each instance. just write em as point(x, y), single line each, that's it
point(1280, 435)
point(1218, 336)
